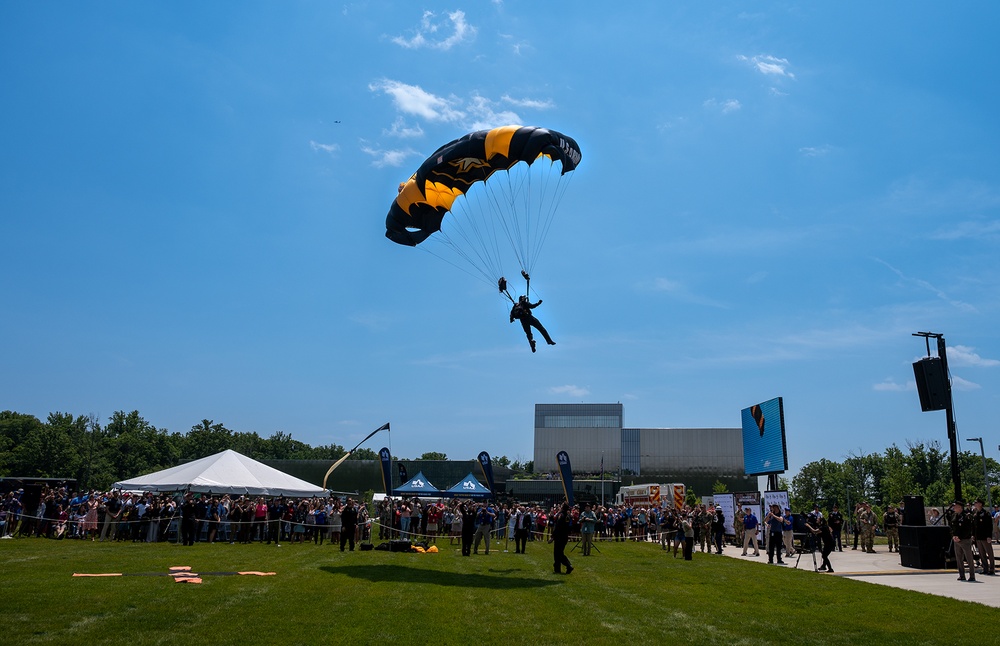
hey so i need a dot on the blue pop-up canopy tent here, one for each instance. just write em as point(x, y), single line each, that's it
point(468, 487)
point(417, 486)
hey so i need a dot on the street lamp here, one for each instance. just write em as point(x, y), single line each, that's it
point(986, 479)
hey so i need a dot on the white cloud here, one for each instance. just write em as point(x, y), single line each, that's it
point(383, 158)
point(476, 113)
point(327, 148)
point(428, 32)
point(957, 383)
point(572, 391)
point(412, 99)
point(964, 356)
point(815, 151)
point(769, 65)
point(533, 104)
point(890, 385)
point(402, 130)
point(725, 106)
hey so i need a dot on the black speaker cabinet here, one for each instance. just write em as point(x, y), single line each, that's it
point(932, 383)
point(923, 548)
point(913, 511)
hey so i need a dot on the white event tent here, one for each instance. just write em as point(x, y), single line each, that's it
point(227, 472)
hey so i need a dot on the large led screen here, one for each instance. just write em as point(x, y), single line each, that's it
point(764, 449)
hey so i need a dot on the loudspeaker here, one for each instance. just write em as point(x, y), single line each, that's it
point(913, 511)
point(932, 383)
point(923, 548)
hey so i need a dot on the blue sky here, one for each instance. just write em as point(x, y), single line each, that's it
point(771, 200)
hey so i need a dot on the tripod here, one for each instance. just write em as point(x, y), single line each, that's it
point(812, 550)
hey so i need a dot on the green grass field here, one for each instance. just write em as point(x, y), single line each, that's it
point(630, 593)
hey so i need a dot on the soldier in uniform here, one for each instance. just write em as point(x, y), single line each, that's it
point(738, 523)
point(890, 523)
point(982, 524)
point(868, 521)
point(961, 535)
point(705, 520)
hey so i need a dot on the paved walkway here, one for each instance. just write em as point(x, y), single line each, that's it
point(883, 568)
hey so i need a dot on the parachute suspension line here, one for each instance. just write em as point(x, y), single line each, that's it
point(559, 190)
point(503, 212)
point(478, 274)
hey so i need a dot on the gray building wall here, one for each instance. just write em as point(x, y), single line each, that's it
point(698, 457)
point(585, 431)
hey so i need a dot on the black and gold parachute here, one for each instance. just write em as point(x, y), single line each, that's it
point(485, 192)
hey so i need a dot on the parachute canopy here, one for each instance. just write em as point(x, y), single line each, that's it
point(484, 190)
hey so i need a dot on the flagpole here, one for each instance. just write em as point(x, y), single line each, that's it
point(602, 478)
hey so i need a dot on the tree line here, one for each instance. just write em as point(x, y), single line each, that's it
point(96, 455)
point(921, 468)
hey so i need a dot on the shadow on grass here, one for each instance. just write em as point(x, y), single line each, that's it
point(403, 574)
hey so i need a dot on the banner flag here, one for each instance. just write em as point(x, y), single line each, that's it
point(487, 466)
point(385, 457)
point(567, 475)
point(384, 427)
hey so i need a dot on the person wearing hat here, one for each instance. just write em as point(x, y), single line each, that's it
point(890, 523)
point(982, 530)
point(787, 537)
point(961, 536)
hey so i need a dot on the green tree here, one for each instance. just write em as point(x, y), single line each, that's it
point(205, 439)
point(720, 487)
point(134, 447)
point(433, 455)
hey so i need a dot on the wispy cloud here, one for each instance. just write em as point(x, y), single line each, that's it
point(963, 384)
point(402, 130)
point(923, 284)
point(572, 391)
point(327, 148)
point(970, 229)
point(534, 104)
point(815, 151)
point(724, 106)
point(889, 385)
point(963, 356)
point(769, 65)
point(679, 291)
point(382, 158)
point(441, 33)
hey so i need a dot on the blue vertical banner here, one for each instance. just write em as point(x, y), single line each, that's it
point(486, 464)
point(567, 475)
point(385, 457)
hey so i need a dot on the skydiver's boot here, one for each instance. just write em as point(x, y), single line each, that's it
point(532, 342)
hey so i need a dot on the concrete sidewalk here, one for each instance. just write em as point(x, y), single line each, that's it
point(883, 568)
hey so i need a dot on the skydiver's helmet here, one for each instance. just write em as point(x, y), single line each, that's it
point(522, 298)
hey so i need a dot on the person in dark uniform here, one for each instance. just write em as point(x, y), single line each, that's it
point(820, 527)
point(468, 512)
point(982, 529)
point(774, 522)
point(522, 527)
point(559, 538)
point(961, 536)
point(522, 312)
point(349, 524)
point(718, 529)
point(836, 525)
point(188, 512)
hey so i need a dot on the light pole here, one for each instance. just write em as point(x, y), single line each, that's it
point(986, 479)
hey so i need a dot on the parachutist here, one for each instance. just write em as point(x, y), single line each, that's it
point(522, 311)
